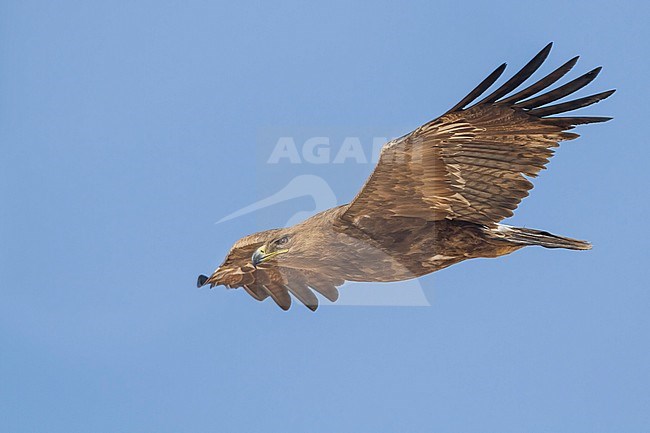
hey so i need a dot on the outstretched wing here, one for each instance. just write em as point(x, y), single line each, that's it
point(471, 163)
point(277, 283)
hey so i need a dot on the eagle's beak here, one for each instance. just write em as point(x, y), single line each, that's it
point(260, 255)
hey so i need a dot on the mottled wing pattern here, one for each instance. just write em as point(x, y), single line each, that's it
point(471, 163)
point(276, 282)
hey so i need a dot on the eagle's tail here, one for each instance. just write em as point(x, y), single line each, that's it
point(524, 236)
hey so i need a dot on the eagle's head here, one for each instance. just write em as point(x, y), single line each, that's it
point(246, 255)
point(277, 245)
point(272, 263)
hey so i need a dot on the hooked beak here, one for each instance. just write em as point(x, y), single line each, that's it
point(260, 255)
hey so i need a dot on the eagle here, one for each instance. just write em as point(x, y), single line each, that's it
point(436, 197)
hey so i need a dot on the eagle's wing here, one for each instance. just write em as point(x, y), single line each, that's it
point(276, 282)
point(471, 163)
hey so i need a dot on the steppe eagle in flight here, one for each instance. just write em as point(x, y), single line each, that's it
point(435, 198)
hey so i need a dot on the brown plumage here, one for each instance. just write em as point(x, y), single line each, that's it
point(435, 198)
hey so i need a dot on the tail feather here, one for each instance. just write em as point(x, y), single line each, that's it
point(526, 236)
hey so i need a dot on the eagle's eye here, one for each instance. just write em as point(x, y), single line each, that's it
point(283, 240)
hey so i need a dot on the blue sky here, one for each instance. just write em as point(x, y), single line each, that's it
point(128, 129)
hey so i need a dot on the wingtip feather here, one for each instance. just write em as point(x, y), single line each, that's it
point(201, 281)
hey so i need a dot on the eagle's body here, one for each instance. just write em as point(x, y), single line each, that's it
point(436, 197)
point(402, 248)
